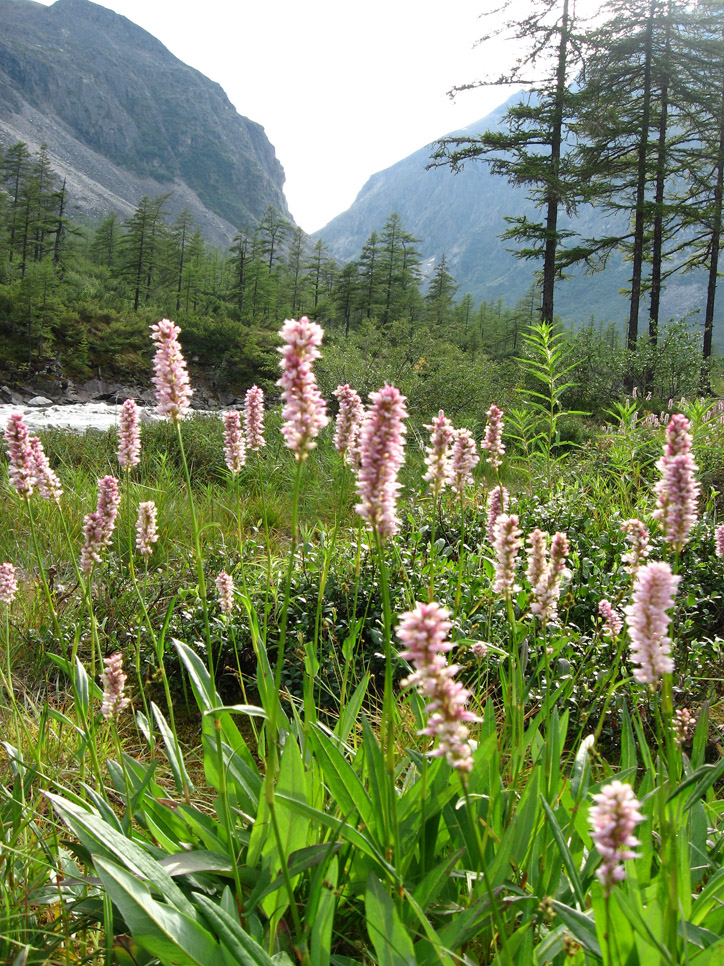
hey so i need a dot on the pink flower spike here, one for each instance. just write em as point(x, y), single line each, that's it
point(234, 445)
point(497, 504)
point(437, 457)
point(612, 622)
point(677, 492)
point(493, 441)
point(254, 418)
point(98, 526)
point(225, 590)
point(684, 725)
point(537, 558)
point(382, 453)
point(613, 819)
point(129, 435)
point(506, 543)
point(146, 528)
point(648, 622)
point(304, 412)
point(171, 379)
point(114, 682)
point(638, 536)
point(22, 461)
point(8, 584)
point(423, 631)
point(719, 540)
point(545, 575)
point(350, 417)
point(46, 480)
point(463, 460)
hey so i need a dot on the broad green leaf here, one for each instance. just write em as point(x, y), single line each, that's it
point(468, 924)
point(714, 772)
point(428, 890)
point(518, 834)
point(291, 823)
point(701, 735)
point(80, 685)
point(207, 699)
point(387, 933)
point(712, 956)
point(176, 938)
point(573, 875)
point(235, 941)
point(244, 782)
point(382, 796)
point(352, 708)
point(345, 831)
point(581, 768)
point(347, 791)
point(204, 827)
point(581, 926)
point(189, 863)
point(298, 862)
point(173, 752)
point(710, 897)
point(65, 720)
point(100, 838)
point(320, 940)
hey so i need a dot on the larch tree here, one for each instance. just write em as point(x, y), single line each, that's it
point(529, 149)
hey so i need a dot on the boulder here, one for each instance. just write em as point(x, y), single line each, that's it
point(9, 397)
point(40, 401)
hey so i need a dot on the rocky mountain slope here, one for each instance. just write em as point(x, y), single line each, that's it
point(122, 118)
point(462, 216)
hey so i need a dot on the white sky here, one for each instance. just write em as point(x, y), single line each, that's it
point(342, 89)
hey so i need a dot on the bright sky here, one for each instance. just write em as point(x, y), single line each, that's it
point(343, 89)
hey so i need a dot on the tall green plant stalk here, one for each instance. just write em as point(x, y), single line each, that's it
point(8, 678)
point(433, 549)
point(267, 546)
point(272, 744)
point(483, 873)
point(515, 709)
point(461, 557)
point(198, 556)
point(349, 650)
point(44, 579)
point(667, 828)
point(387, 726)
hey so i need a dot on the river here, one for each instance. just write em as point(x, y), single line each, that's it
point(77, 416)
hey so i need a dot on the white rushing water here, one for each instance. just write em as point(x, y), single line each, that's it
point(77, 417)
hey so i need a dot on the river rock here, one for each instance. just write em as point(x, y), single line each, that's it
point(40, 401)
point(8, 396)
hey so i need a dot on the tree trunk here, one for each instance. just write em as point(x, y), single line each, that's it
point(638, 246)
point(657, 245)
point(553, 192)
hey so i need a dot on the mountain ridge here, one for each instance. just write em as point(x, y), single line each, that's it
point(98, 89)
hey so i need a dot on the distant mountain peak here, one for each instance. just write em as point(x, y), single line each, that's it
point(123, 117)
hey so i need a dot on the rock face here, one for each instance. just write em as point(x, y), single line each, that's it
point(122, 118)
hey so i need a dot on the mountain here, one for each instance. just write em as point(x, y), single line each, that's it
point(122, 118)
point(462, 215)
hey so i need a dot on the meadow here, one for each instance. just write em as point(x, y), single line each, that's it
point(341, 687)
